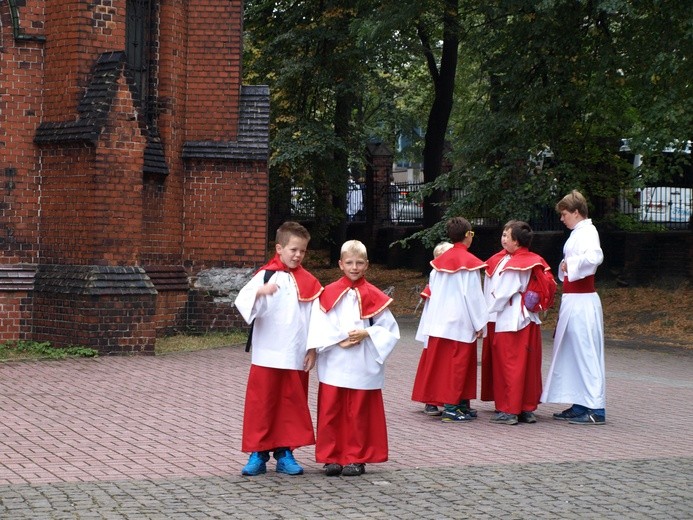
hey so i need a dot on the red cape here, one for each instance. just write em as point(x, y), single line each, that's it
point(456, 259)
point(521, 260)
point(307, 285)
point(371, 299)
point(426, 293)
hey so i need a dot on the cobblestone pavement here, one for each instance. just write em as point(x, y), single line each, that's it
point(159, 437)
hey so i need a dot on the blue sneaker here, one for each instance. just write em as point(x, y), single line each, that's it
point(286, 463)
point(257, 464)
point(589, 418)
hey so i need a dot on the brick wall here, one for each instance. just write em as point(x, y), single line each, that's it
point(225, 220)
point(205, 314)
point(21, 76)
point(214, 44)
point(183, 187)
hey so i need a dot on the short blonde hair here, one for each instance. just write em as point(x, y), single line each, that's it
point(354, 247)
point(441, 248)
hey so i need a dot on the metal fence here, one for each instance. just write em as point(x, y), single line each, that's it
point(669, 207)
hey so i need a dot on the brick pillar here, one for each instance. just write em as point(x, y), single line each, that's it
point(378, 177)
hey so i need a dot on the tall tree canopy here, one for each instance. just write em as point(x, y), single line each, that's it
point(534, 97)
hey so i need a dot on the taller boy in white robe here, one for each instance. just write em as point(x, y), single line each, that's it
point(577, 374)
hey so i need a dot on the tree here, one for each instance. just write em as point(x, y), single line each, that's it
point(557, 84)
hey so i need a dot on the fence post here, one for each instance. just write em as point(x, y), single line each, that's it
point(378, 177)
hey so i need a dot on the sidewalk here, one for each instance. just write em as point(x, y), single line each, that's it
point(159, 437)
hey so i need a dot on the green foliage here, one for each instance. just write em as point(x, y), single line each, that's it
point(16, 350)
point(572, 78)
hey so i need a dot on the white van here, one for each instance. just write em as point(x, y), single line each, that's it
point(666, 205)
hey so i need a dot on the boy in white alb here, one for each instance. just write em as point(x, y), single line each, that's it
point(276, 416)
point(577, 374)
point(452, 320)
point(431, 409)
point(354, 333)
point(515, 337)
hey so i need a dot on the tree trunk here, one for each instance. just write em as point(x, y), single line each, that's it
point(439, 116)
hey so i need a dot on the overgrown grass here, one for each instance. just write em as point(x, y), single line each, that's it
point(26, 350)
point(191, 343)
point(35, 350)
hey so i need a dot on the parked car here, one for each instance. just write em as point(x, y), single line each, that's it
point(403, 210)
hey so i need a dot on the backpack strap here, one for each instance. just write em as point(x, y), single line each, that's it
point(268, 275)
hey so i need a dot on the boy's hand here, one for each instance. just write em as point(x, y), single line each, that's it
point(479, 333)
point(355, 337)
point(309, 360)
point(268, 288)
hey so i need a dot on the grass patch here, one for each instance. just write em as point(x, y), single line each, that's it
point(27, 350)
point(191, 343)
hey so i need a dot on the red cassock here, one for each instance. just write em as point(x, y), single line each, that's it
point(351, 426)
point(517, 369)
point(512, 359)
point(276, 411)
point(446, 373)
point(487, 363)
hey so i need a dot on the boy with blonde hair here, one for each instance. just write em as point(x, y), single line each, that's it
point(354, 333)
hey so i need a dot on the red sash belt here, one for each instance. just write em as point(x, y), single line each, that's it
point(585, 285)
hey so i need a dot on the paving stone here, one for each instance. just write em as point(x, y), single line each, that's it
point(154, 438)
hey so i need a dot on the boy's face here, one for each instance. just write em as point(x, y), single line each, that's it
point(353, 266)
point(508, 243)
point(570, 219)
point(293, 252)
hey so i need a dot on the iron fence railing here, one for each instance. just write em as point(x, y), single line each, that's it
point(669, 207)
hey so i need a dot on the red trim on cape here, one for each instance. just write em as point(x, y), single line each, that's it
point(307, 285)
point(426, 293)
point(371, 299)
point(456, 259)
point(521, 260)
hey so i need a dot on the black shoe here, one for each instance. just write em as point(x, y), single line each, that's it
point(354, 470)
point(504, 418)
point(455, 415)
point(469, 411)
point(432, 410)
point(588, 418)
point(527, 417)
point(465, 408)
point(332, 470)
point(566, 415)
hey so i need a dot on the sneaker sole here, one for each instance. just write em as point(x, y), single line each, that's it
point(249, 474)
point(284, 472)
point(588, 423)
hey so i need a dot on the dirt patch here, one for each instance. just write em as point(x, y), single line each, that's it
point(644, 314)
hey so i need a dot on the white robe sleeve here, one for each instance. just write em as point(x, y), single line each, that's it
point(248, 304)
point(360, 366)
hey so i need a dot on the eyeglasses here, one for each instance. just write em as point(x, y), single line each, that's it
point(469, 234)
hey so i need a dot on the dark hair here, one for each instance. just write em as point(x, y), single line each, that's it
point(520, 231)
point(457, 228)
point(289, 229)
point(571, 202)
